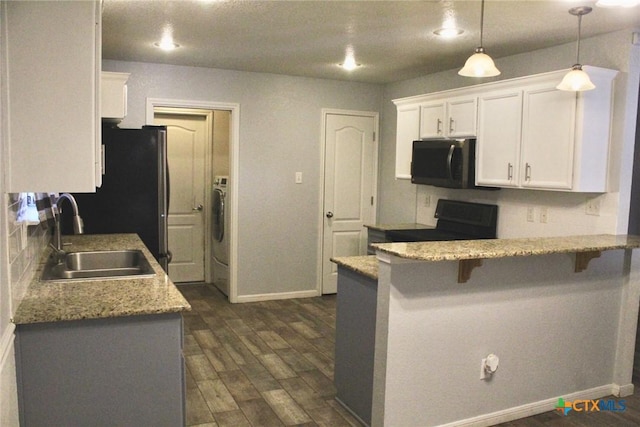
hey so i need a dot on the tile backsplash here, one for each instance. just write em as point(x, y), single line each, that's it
point(26, 244)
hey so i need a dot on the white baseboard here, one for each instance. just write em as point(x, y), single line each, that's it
point(536, 408)
point(622, 390)
point(281, 295)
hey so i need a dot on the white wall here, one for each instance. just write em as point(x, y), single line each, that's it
point(280, 121)
point(403, 201)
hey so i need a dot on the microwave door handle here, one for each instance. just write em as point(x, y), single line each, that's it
point(449, 160)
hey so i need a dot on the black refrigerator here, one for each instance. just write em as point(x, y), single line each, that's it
point(134, 196)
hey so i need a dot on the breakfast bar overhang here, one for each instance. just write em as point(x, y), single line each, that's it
point(559, 313)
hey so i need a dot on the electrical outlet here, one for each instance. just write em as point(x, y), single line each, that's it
point(427, 201)
point(543, 215)
point(592, 207)
point(530, 214)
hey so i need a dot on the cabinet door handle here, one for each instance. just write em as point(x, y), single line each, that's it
point(527, 172)
point(451, 124)
point(439, 127)
point(510, 172)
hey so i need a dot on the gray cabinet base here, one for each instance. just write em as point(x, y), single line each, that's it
point(102, 372)
point(355, 342)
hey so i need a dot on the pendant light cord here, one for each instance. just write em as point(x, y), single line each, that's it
point(481, 21)
point(578, 44)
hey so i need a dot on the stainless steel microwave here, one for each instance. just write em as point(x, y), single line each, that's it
point(447, 163)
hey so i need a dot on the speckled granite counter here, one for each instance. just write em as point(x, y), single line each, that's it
point(402, 226)
point(94, 299)
point(366, 265)
point(500, 248)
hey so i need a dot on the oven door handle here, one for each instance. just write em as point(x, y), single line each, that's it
point(449, 160)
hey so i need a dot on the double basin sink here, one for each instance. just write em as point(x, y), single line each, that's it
point(97, 265)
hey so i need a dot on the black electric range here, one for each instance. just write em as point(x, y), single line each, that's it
point(457, 220)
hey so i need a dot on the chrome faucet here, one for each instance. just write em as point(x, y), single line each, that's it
point(78, 226)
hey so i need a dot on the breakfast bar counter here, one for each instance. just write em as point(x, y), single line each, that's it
point(559, 313)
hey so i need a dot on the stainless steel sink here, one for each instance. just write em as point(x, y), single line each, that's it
point(98, 265)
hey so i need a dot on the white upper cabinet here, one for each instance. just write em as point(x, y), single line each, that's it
point(499, 129)
point(113, 96)
point(531, 135)
point(549, 118)
point(407, 131)
point(450, 118)
point(52, 57)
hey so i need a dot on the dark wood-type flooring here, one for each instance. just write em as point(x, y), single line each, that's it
point(271, 364)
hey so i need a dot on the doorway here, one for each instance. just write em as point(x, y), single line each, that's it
point(199, 150)
point(350, 187)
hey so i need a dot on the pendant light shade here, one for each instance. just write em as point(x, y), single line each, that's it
point(577, 80)
point(479, 64)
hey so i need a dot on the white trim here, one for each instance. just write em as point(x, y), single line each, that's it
point(376, 126)
point(234, 151)
point(534, 408)
point(280, 295)
point(622, 390)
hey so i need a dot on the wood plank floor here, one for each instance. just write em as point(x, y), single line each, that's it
point(271, 364)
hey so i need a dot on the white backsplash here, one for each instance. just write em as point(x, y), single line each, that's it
point(566, 212)
point(26, 244)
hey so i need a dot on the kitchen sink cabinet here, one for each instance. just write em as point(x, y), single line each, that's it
point(102, 372)
point(450, 118)
point(52, 59)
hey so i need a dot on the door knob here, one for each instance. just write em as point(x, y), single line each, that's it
point(197, 208)
point(329, 214)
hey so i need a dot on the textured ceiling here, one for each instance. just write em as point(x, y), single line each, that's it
point(393, 40)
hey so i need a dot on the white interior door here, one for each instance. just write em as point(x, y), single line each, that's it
point(349, 189)
point(187, 141)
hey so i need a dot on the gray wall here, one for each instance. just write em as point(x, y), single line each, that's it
point(280, 125)
point(400, 200)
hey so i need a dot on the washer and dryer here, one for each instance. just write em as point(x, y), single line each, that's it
point(220, 228)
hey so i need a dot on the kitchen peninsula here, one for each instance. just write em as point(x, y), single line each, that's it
point(101, 351)
point(559, 313)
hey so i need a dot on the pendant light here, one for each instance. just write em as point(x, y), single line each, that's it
point(479, 64)
point(577, 80)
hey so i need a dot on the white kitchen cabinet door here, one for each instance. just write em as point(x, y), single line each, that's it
point(498, 143)
point(461, 117)
point(113, 96)
point(432, 117)
point(450, 118)
point(52, 57)
point(407, 131)
point(548, 136)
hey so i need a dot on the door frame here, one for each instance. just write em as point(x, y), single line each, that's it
point(234, 145)
point(323, 142)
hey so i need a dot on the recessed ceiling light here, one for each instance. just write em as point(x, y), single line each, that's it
point(448, 33)
point(349, 63)
point(164, 45)
point(167, 43)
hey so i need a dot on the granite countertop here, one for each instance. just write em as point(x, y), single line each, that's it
point(365, 265)
point(400, 226)
point(499, 248)
point(92, 299)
